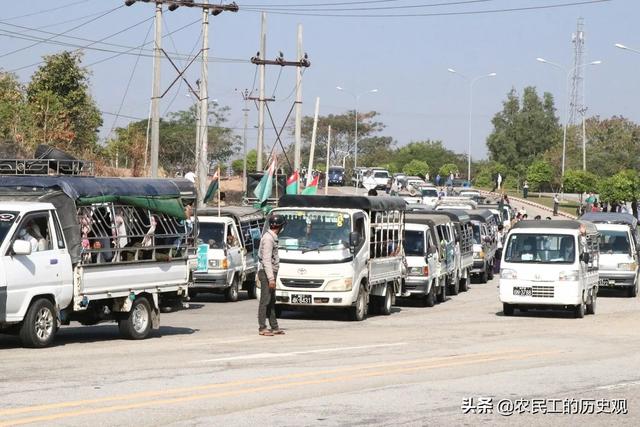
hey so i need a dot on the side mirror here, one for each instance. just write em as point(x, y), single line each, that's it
point(354, 239)
point(21, 247)
point(585, 257)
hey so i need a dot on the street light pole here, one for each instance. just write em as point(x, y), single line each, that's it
point(357, 101)
point(471, 83)
point(566, 119)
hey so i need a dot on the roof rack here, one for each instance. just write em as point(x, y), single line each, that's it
point(46, 167)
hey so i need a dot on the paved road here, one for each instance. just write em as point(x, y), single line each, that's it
point(207, 366)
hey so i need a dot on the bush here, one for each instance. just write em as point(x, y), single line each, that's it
point(416, 167)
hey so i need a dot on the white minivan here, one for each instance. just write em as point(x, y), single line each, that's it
point(550, 264)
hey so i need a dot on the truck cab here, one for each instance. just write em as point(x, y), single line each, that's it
point(426, 271)
point(550, 264)
point(231, 238)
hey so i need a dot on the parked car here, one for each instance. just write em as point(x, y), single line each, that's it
point(336, 176)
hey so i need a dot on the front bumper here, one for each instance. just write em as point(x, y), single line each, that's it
point(416, 285)
point(210, 280)
point(478, 267)
point(616, 279)
point(543, 293)
point(319, 299)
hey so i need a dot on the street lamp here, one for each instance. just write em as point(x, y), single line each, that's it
point(357, 99)
point(566, 119)
point(624, 47)
point(471, 81)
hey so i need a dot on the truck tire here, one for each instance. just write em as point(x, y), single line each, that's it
point(442, 295)
point(386, 302)
point(231, 293)
point(464, 284)
point(251, 286)
point(358, 312)
point(137, 324)
point(429, 299)
point(39, 325)
point(507, 309)
point(454, 287)
point(579, 310)
point(591, 307)
point(632, 292)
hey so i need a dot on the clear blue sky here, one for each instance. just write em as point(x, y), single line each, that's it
point(406, 59)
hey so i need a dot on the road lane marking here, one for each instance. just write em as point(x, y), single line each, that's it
point(619, 385)
point(296, 353)
point(282, 386)
point(68, 404)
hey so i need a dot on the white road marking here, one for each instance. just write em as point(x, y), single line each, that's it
point(295, 353)
point(619, 385)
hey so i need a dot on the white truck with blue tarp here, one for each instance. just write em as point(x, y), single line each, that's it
point(87, 249)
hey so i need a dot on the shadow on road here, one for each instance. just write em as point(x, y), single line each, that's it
point(325, 314)
point(540, 313)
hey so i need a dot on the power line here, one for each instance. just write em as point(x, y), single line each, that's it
point(397, 7)
point(40, 12)
point(321, 4)
point(67, 31)
point(412, 15)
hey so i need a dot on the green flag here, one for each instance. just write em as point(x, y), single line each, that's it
point(312, 188)
point(213, 188)
point(263, 189)
point(292, 183)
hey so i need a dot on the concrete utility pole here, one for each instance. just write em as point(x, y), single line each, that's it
point(245, 110)
point(203, 164)
point(298, 125)
point(326, 171)
point(155, 96)
point(313, 142)
point(261, 95)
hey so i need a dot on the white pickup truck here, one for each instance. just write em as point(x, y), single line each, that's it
point(90, 250)
point(341, 252)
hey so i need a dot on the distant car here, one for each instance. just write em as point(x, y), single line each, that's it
point(429, 196)
point(358, 175)
point(336, 176)
point(382, 178)
point(473, 195)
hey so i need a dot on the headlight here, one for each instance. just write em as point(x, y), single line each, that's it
point(629, 266)
point(566, 276)
point(507, 273)
point(419, 271)
point(213, 263)
point(344, 284)
point(478, 255)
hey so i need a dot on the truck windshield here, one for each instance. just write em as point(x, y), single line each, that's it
point(308, 230)
point(212, 233)
point(476, 234)
point(541, 248)
point(414, 243)
point(381, 175)
point(429, 192)
point(614, 242)
point(6, 221)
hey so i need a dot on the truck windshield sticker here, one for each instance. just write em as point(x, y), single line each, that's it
point(340, 221)
point(7, 217)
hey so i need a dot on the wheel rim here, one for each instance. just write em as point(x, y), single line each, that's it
point(360, 305)
point(234, 289)
point(387, 300)
point(140, 318)
point(44, 324)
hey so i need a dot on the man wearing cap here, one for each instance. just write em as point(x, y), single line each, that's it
point(267, 274)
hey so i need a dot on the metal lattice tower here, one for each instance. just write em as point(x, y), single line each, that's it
point(576, 95)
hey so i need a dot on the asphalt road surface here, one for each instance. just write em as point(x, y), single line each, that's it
point(207, 366)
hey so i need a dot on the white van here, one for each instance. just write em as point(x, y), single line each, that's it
point(618, 250)
point(550, 263)
point(426, 270)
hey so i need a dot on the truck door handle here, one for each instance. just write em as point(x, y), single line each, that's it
point(53, 261)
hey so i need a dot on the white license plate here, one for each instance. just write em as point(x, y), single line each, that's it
point(522, 292)
point(300, 299)
point(605, 282)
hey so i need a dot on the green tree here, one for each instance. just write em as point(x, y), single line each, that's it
point(447, 169)
point(579, 181)
point(525, 128)
point(63, 109)
point(13, 109)
point(539, 175)
point(238, 165)
point(487, 171)
point(416, 167)
point(613, 144)
point(623, 186)
point(432, 152)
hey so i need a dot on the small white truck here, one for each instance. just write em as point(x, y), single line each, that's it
point(232, 235)
point(341, 252)
point(76, 248)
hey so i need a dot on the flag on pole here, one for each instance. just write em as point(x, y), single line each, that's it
point(214, 186)
point(292, 183)
point(263, 189)
point(312, 188)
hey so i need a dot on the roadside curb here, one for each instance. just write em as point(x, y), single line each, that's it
point(529, 203)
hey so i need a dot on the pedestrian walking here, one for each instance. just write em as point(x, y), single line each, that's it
point(267, 275)
point(499, 181)
point(438, 180)
point(525, 189)
point(556, 204)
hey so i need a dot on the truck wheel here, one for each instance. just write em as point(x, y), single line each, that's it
point(386, 301)
point(484, 276)
point(231, 293)
point(464, 284)
point(454, 288)
point(137, 325)
point(193, 293)
point(429, 299)
point(442, 295)
point(507, 309)
point(39, 325)
point(578, 311)
point(358, 312)
point(632, 292)
point(251, 290)
point(591, 307)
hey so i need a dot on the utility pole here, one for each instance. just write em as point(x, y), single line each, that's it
point(155, 96)
point(298, 125)
point(198, 129)
point(262, 55)
point(203, 164)
point(245, 110)
point(326, 170)
point(313, 142)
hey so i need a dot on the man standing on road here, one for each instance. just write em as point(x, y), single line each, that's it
point(267, 274)
point(556, 204)
point(525, 189)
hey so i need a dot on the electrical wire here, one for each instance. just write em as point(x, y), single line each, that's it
point(277, 81)
point(320, 4)
point(195, 46)
point(412, 15)
point(40, 12)
point(126, 90)
point(411, 6)
point(67, 31)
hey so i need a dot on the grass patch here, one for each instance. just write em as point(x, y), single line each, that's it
point(566, 206)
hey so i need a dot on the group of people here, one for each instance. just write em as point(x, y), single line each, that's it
point(591, 204)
